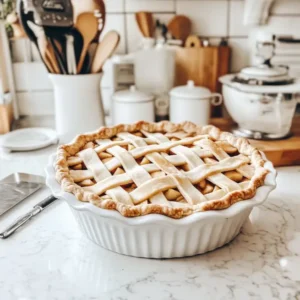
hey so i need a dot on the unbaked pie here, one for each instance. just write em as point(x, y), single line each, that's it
point(163, 168)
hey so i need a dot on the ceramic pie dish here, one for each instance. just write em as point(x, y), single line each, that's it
point(160, 189)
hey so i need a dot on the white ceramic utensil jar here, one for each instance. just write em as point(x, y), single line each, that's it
point(192, 103)
point(78, 104)
point(132, 105)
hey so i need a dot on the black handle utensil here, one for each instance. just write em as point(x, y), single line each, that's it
point(24, 219)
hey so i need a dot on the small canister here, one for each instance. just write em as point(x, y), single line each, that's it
point(192, 103)
point(132, 106)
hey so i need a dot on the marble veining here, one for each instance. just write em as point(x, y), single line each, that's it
point(51, 259)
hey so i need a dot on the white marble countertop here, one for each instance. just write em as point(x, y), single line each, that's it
point(49, 258)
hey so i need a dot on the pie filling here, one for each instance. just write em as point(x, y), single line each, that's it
point(170, 170)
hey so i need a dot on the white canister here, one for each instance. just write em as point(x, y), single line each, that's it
point(132, 106)
point(154, 69)
point(78, 104)
point(192, 103)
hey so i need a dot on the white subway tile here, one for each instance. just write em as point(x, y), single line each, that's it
point(114, 6)
point(38, 79)
point(133, 33)
point(116, 22)
point(236, 15)
point(283, 7)
point(150, 5)
point(240, 54)
point(209, 18)
point(36, 103)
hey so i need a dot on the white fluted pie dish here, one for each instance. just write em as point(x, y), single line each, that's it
point(158, 236)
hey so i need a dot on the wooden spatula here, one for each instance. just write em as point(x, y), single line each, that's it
point(180, 27)
point(145, 22)
point(87, 25)
point(104, 50)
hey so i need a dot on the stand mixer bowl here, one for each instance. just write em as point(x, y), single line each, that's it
point(261, 112)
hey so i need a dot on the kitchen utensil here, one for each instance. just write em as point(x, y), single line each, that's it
point(87, 25)
point(132, 105)
point(180, 27)
point(57, 52)
point(194, 101)
point(192, 41)
point(100, 13)
point(96, 6)
point(43, 47)
point(26, 16)
point(78, 43)
point(56, 17)
point(145, 23)
point(53, 13)
point(78, 104)
point(71, 58)
point(104, 50)
point(262, 112)
point(17, 187)
point(261, 99)
point(28, 139)
point(24, 219)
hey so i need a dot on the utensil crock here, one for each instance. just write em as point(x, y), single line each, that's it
point(78, 104)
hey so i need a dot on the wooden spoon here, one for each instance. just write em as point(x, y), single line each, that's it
point(104, 50)
point(145, 22)
point(87, 25)
point(96, 6)
point(180, 27)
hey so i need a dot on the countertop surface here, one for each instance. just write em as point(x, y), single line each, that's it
point(49, 258)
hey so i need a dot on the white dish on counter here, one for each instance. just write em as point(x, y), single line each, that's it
point(28, 139)
point(158, 236)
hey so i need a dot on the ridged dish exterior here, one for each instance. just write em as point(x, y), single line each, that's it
point(157, 236)
point(159, 241)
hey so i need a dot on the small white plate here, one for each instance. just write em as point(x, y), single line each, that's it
point(28, 139)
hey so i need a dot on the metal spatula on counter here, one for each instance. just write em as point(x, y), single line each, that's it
point(16, 188)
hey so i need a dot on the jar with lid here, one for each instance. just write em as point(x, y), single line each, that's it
point(132, 105)
point(192, 103)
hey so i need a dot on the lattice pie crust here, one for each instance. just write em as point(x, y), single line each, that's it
point(164, 168)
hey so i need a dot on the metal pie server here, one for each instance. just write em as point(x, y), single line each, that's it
point(25, 218)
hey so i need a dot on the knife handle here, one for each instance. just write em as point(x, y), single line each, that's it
point(45, 202)
point(19, 222)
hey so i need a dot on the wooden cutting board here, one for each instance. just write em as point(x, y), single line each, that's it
point(203, 65)
point(282, 152)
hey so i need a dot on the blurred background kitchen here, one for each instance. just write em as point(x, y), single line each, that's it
point(166, 51)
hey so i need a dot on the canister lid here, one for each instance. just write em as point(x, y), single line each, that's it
point(132, 95)
point(190, 91)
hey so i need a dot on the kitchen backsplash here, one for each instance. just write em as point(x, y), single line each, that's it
point(210, 18)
